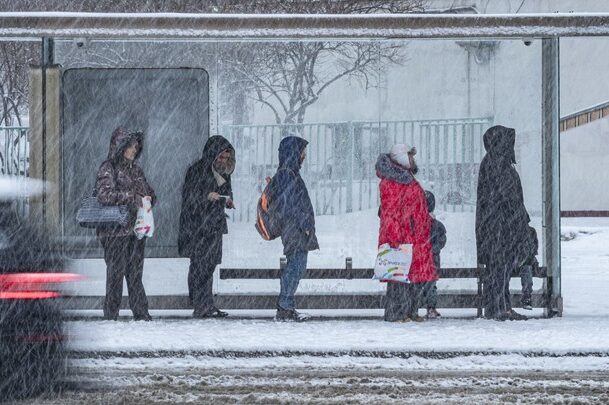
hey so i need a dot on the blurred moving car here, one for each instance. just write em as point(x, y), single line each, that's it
point(31, 270)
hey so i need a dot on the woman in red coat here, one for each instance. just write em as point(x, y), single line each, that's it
point(404, 220)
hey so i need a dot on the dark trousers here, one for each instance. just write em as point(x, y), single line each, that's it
point(402, 301)
point(430, 294)
point(526, 281)
point(124, 257)
point(200, 282)
point(497, 300)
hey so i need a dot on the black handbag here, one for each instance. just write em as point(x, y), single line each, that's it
point(92, 214)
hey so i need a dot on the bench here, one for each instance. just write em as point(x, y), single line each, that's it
point(466, 298)
point(364, 300)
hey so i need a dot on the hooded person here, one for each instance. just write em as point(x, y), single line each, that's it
point(503, 239)
point(206, 193)
point(295, 211)
point(404, 219)
point(121, 181)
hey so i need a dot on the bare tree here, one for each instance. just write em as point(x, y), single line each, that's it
point(289, 77)
point(15, 58)
point(286, 77)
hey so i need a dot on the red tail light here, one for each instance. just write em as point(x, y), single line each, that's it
point(32, 286)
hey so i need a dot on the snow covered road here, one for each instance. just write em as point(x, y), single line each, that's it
point(104, 382)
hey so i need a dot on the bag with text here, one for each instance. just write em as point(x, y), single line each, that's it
point(393, 264)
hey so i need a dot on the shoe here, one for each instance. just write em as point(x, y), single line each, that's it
point(290, 315)
point(417, 318)
point(527, 304)
point(432, 313)
point(110, 318)
point(212, 313)
point(515, 316)
point(501, 317)
point(510, 316)
point(146, 318)
point(216, 313)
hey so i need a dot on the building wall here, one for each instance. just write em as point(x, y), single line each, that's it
point(584, 159)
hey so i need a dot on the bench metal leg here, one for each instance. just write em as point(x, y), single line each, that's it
point(479, 297)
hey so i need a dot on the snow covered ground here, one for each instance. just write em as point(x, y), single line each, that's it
point(584, 329)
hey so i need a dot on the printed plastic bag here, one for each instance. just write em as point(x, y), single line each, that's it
point(144, 223)
point(393, 264)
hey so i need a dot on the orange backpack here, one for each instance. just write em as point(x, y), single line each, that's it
point(267, 223)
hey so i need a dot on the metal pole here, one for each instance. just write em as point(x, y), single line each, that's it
point(47, 60)
point(551, 172)
point(350, 152)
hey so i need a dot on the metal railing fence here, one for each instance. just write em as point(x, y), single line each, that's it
point(339, 168)
point(14, 157)
point(14, 151)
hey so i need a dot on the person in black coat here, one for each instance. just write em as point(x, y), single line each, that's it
point(502, 231)
point(206, 193)
point(293, 205)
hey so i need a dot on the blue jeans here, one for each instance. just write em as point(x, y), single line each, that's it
point(290, 278)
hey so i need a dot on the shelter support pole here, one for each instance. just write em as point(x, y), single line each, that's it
point(551, 173)
point(44, 151)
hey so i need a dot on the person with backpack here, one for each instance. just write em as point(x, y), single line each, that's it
point(293, 210)
point(206, 193)
point(121, 181)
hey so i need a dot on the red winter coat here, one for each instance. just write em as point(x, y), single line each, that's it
point(405, 218)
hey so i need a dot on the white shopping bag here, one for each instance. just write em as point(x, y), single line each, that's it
point(393, 264)
point(144, 223)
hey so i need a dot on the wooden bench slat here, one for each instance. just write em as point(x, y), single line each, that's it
point(349, 274)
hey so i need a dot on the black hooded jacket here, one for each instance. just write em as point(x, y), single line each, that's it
point(438, 230)
point(502, 231)
point(201, 219)
point(289, 193)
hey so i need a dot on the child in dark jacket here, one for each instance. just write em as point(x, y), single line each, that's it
point(438, 241)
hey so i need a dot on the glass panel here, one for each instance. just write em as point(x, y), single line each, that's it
point(351, 101)
point(169, 105)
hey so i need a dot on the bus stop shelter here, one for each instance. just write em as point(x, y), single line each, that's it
point(48, 117)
